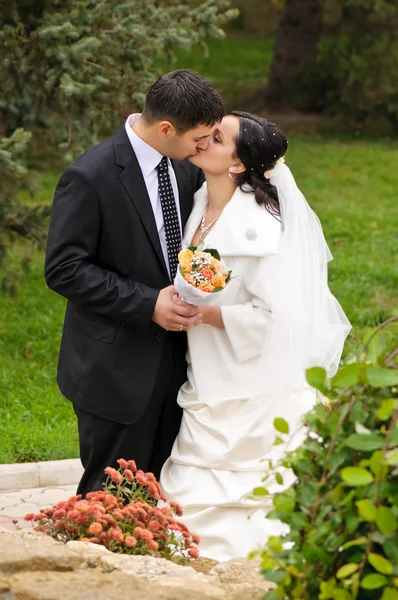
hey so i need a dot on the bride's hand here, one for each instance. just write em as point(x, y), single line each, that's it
point(212, 315)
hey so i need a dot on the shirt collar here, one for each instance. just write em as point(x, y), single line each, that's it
point(148, 157)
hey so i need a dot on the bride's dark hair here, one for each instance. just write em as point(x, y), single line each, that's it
point(259, 145)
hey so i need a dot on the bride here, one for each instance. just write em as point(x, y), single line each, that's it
point(247, 360)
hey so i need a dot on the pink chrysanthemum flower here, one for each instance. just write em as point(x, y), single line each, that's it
point(142, 533)
point(116, 534)
point(154, 526)
point(152, 545)
point(95, 528)
point(130, 541)
point(177, 508)
point(154, 491)
point(193, 552)
point(132, 465)
point(113, 474)
point(129, 475)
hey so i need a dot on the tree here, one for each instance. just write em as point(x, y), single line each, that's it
point(346, 65)
point(72, 66)
point(295, 50)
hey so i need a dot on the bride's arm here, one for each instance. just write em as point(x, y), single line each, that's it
point(246, 325)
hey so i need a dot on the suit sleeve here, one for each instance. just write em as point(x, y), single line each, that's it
point(246, 325)
point(70, 266)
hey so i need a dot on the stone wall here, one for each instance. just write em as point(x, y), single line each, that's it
point(33, 566)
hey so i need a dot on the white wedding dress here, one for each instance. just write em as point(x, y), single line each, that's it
point(226, 432)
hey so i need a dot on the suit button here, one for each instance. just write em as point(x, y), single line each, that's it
point(159, 337)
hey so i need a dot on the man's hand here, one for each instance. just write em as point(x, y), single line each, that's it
point(172, 316)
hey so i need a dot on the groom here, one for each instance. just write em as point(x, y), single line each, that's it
point(115, 233)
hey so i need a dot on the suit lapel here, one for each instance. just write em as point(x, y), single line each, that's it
point(133, 182)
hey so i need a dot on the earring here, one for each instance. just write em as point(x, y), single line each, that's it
point(230, 173)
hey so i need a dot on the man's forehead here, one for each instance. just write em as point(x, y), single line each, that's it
point(202, 131)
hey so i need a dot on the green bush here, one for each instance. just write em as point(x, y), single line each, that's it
point(356, 74)
point(342, 510)
point(73, 67)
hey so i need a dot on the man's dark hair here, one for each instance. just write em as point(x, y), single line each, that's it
point(184, 98)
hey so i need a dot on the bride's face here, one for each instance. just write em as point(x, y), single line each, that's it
point(219, 155)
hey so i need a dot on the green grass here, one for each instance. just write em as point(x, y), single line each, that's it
point(352, 185)
point(36, 423)
point(236, 65)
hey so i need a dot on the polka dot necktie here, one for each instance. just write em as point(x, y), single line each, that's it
point(170, 217)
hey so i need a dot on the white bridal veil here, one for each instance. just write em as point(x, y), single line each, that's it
point(308, 326)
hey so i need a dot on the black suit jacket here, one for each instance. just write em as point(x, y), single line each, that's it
point(104, 256)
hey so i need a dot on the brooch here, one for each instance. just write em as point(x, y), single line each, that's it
point(251, 234)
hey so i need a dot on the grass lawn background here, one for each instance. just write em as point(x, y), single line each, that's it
point(351, 184)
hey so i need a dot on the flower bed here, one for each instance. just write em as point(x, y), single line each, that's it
point(124, 517)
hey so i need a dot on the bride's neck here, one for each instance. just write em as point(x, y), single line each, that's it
point(220, 190)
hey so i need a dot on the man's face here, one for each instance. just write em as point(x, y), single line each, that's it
point(187, 144)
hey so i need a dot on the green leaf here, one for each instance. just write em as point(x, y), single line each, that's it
point(278, 440)
point(192, 248)
point(386, 521)
point(272, 595)
point(274, 576)
point(342, 595)
point(317, 378)
point(213, 252)
point(275, 544)
point(267, 562)
point(386, 409)
point(377, 345)
point(377, 467)
point(373, 581)
point(390, 547)
point(394, 435)
point(367, 510)
point(219, 288)
point(361, 541)
point(389, 594)
point(347, 570)
point(381, 564)
point(392, 458)
point(356, 476)
point(365, 442)
point(228, 278)
point(182, 272)
point(260, 491)
point(281, 425)
point(284, 504)
point(347, 376)
point(279, 478)
point(382, 377)
point(327, 588)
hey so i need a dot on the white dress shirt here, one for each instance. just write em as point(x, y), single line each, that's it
point(148, 159)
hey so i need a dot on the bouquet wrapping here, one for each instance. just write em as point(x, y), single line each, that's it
point(200, 275)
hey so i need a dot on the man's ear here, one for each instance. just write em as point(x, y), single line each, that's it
point(166, 129)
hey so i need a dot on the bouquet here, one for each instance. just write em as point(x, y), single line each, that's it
point(200, 274)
